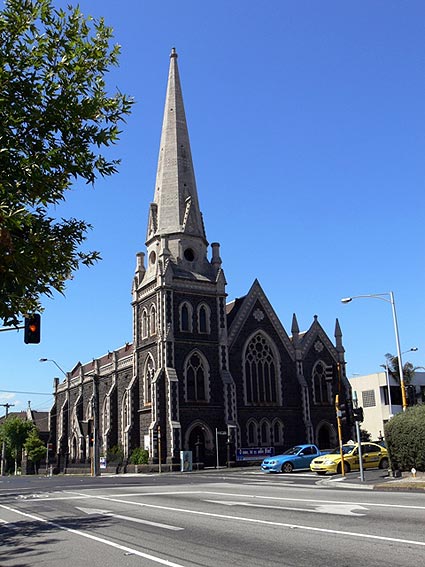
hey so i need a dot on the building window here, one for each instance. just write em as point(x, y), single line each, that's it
point(196, 379)
point(203, 319)
point(265, 434)
point(368, 397)
point(252, 433)
point(260, 372)
point(144, 324)
point(321, 386)
point(185, 317)
point(278, 432)
point(148, 375)
point(106, 415)
point(152, 320)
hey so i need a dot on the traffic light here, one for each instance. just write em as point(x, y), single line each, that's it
point(32, 329)
point(358, 414)
point(346, 412)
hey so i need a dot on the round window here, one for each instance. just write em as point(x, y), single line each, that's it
point(152, 257)
point(189, 254)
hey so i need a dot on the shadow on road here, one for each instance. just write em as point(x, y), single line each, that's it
point(28, 539)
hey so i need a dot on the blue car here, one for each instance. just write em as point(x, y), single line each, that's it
point(298, 457)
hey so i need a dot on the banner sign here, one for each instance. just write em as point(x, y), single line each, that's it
point(254, 453)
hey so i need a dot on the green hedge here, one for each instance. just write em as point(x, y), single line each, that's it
point(405, 438)
point(139, 457)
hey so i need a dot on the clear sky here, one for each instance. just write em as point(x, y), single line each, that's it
point(306, 121)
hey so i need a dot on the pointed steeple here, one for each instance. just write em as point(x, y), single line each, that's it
point(295, 330)
point(175, 210)
point(338, 337)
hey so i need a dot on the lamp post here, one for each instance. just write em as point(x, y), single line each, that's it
point(69, 412)
point(384, 297)
point(55, 363)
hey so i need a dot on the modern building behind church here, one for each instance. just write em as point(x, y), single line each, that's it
point(198, 365)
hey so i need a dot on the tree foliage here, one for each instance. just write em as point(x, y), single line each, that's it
point(56, 116)
point(35, 448)
point(393, 369)
point(15, 432)
point(405, 439)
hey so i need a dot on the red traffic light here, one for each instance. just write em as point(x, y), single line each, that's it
point(32, 329)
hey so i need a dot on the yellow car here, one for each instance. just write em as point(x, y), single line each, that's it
point(373, 455)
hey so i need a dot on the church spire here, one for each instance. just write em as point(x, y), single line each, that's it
point(175, 210)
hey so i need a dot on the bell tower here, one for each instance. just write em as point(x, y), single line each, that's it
point(179, 305)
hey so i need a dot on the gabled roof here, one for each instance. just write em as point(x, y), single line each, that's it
point(242, 309)
point(307, 338)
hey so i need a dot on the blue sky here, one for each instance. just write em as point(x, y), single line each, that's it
point(306, 121)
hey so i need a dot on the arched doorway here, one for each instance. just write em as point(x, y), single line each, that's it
point(197, 444)
point(199, 440)
point(326, 437)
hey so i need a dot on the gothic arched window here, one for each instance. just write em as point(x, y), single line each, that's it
point(152, 320)
point(265, 433)
point(321, 387)
point(148, 377)
point(260, 372)
point(252, 433)
point(186, 317)
point(144, 324)
point(203, 319)
point(196, 378)
point(277, 432)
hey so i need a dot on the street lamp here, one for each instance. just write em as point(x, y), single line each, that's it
point(55, 363)
point(384, 297)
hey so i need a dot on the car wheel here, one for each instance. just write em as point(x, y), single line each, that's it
point(384, 463)
point(346, 468)
point(287, 467)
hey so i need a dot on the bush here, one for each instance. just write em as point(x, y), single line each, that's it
point(115, 454)
point(139, 457)
point(405, 438)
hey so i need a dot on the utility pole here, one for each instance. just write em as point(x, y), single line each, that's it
point(96, 452)
point(3, 448)
point(338, 419)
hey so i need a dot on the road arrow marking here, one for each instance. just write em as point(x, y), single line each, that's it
point(127, 518)
point(338, 509)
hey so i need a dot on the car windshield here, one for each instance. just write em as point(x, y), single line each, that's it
point(292, 451)
point(345, 450)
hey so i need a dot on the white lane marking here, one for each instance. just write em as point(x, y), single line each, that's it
point(127, 518)
point(326, 502)
point(339, 509)
point(3, 521)
point(262, 522)
point(236, 495)
point(128, 550)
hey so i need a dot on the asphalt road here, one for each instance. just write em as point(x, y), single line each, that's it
point(238, 518)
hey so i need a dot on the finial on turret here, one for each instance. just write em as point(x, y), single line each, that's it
point(173, 53)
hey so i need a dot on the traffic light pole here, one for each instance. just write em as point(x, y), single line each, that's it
point(359, 438)
point(338, 420)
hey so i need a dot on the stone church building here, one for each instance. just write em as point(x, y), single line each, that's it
point(198, 365)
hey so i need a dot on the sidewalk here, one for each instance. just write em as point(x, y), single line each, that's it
point(377, 480)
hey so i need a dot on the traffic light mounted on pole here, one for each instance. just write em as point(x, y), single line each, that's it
point(32, 329)
point(339, 423)
point(358, 414)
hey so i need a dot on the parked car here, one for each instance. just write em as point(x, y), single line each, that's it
point(373, 455)
point(298, 457)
